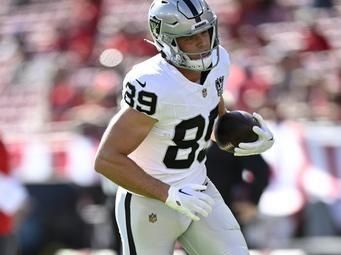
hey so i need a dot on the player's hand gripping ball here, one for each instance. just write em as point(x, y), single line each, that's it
point(235, 127)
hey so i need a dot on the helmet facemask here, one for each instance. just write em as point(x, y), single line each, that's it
point(206, 58)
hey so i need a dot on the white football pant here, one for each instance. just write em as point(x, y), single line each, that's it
point(149, 227)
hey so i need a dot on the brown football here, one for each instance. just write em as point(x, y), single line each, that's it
point(235, 127)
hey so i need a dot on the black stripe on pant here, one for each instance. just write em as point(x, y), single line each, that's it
point(127, 203)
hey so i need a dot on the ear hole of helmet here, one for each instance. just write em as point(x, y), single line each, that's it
point(163, 55)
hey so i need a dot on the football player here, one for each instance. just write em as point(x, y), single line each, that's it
point(154, 147)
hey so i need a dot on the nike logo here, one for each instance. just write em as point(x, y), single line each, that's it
point(141, 84)
point(183, 192)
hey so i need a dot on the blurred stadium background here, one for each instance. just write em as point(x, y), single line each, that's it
point(61, 67)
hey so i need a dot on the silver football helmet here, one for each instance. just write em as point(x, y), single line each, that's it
point(170, 19)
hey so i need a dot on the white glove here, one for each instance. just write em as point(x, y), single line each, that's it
point(264, 142)
point(189, 200)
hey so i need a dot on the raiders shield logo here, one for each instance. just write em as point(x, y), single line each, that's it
point(155, 25)
point(219, 83)
point(152, 217)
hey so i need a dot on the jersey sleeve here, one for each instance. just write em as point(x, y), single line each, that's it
point(225, 63)
point(140, 93)
point(225, 58)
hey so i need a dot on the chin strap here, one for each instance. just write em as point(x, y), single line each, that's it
point(150, 42)
point(200, 64)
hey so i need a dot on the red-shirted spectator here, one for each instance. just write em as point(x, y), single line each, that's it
point(5, 221)
point(130, 40)
point(12, 199)
point(315, 40)
point(248, 88)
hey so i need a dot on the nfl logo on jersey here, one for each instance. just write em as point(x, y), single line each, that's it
point(204, 92)
point(152, 218)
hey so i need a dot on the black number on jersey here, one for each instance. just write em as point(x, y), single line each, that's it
point(130, 94)
point(213, 115)
point(146, 101)
point(179, 139)
point(197, 123)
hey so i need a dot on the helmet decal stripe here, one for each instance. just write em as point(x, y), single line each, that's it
point(193, 10)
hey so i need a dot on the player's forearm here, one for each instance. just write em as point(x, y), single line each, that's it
point(127, 174)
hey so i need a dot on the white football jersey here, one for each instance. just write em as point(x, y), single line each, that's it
point(174, 150)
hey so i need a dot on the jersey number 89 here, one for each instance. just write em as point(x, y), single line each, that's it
point(146, 101)
point(198, 122)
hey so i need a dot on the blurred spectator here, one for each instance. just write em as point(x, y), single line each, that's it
point(321, 181)
point(21, 2)
point(323, 3)
point(55, 218)
point(81, 32)
point(249, 39)
point(85, 94)
point(130, 41)
point(109, 188)
point(12, 202)
point(291, 79)
point(240, 180)
point(320, 101)
point(282, 201)
point(97, 100)
point(255, 12)
point(251, 90)
point(63, 95)
point(314, 39)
